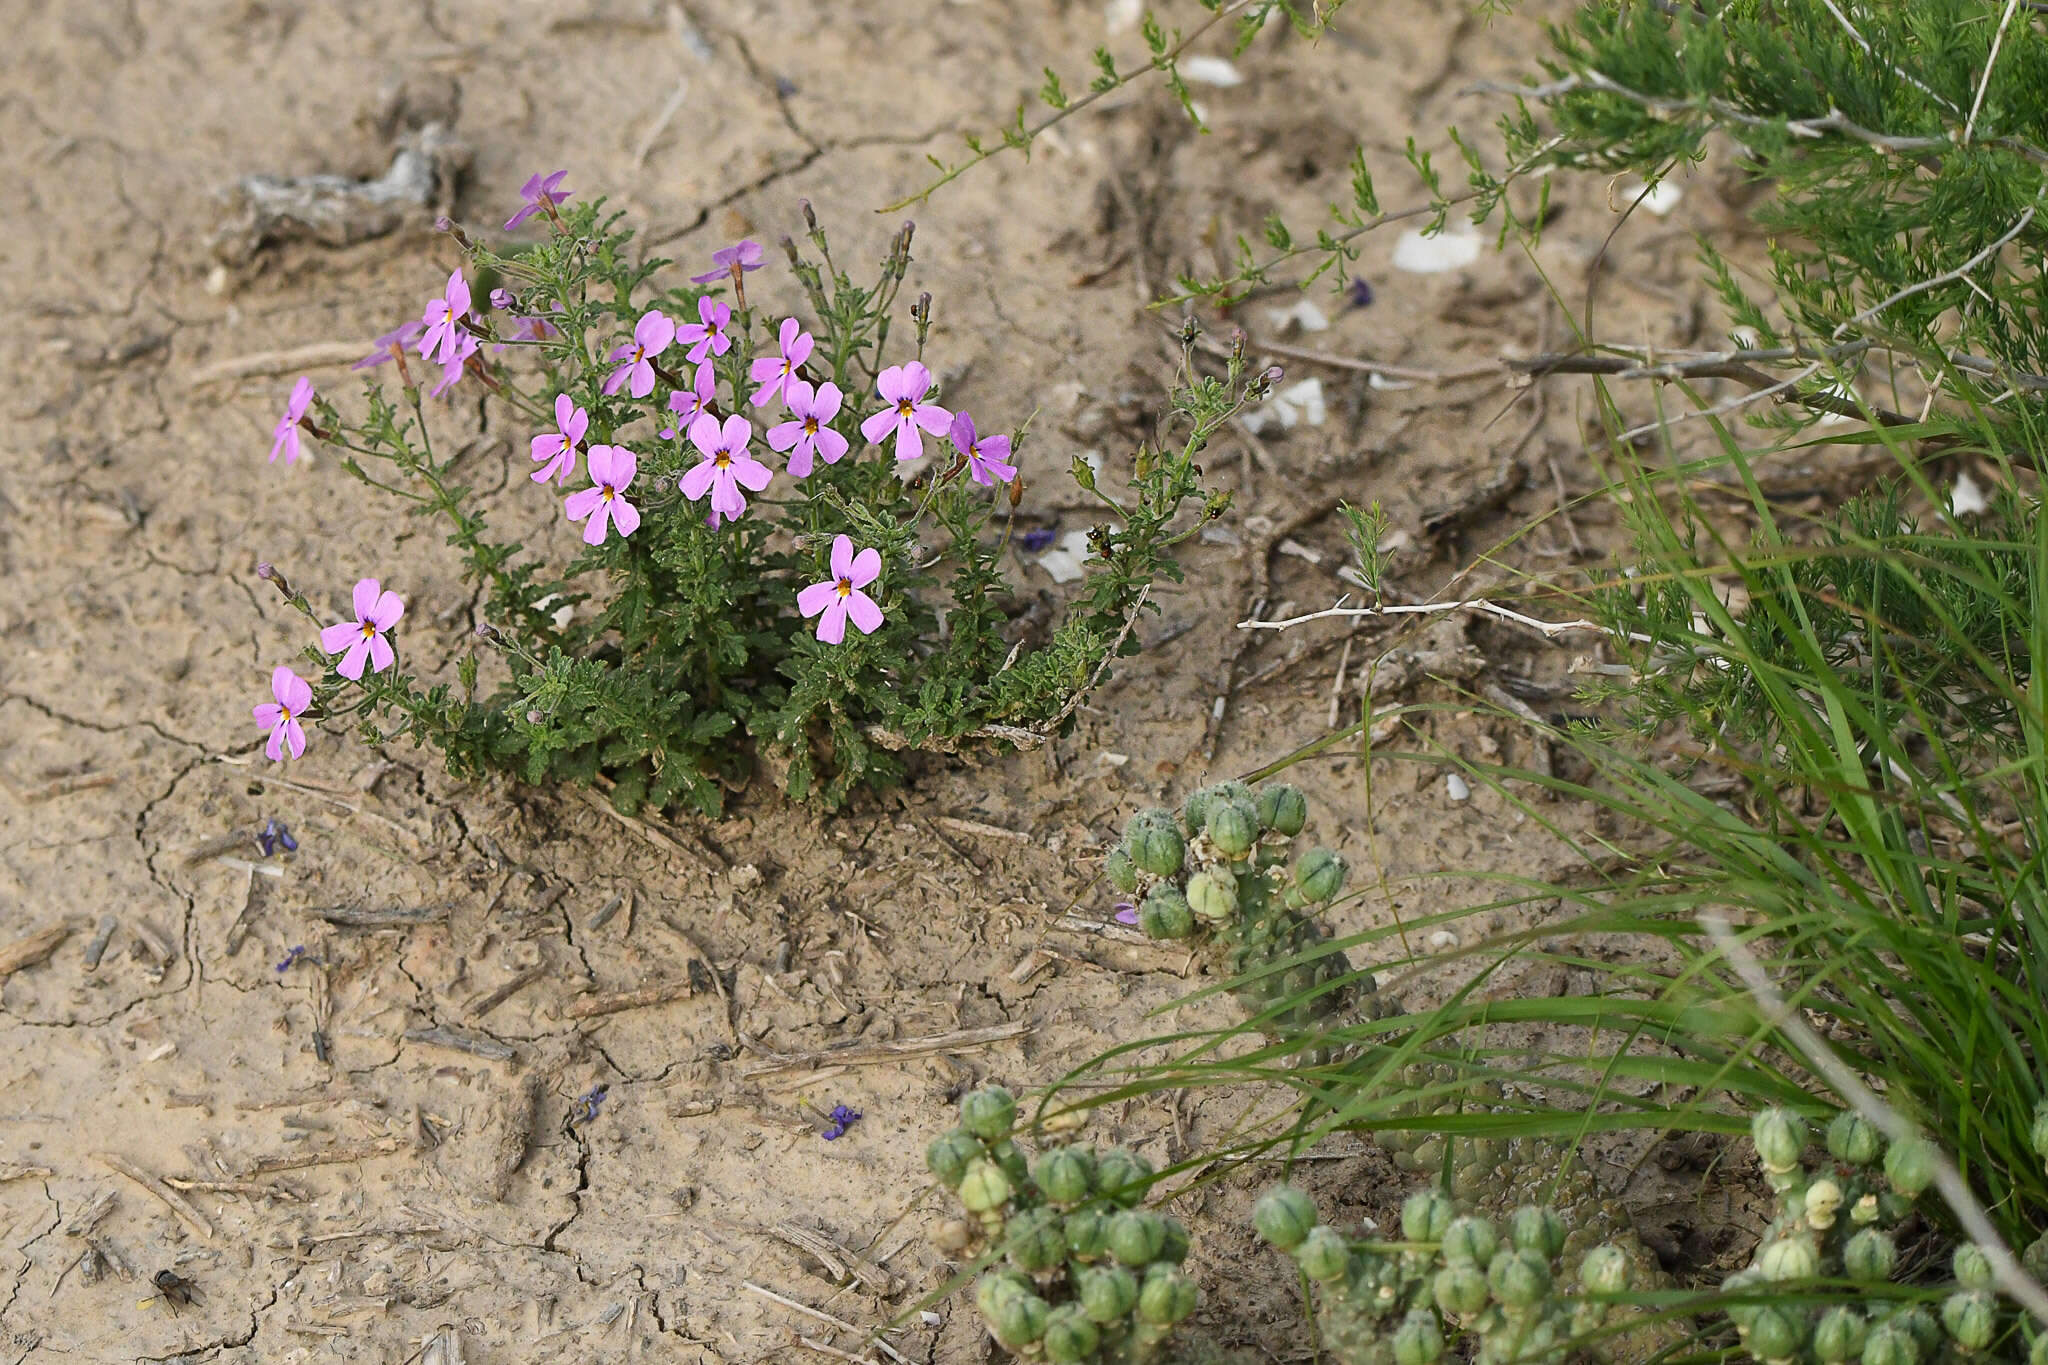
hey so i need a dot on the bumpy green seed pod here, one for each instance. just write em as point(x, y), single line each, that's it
point(1973, 1267)
point(1774, 1333)
point(1121, 871)
point(989, 1113)
point(1789, 1258)
point(1036, 1240)
point(1538, 1229)
point(1780, 1136)
point(1167, 1297)
point(1154, 843)
point(1909, 1166)
point(1871, 1256)
point(1418, 1340)
point(1087, 1232)
point(997, 1286)
point(1605, 1269)
point(1213, 896)
point(949, 1154)
point(1460, 1290)
point(1136, 1238)
point(2038, 1134)
point(1854, 1139)
point(1196, 809)
point(1470, 1240)
point(1283, 1216)
point(2034, 1259)
point(1323, 1255)
point(1839, 1335)
point(1011, 1159)
point(1970, 1316)
point(1107, 1293)
point(1742, 1282)
point(1065, 1175)
point(1069, 1337)
point(1923, 1327)
point(1177, 1245)
point(1282, 808)
point(1319, 876)
point(984, 1188)
point(1233, 826)
point(1122, 1176)
point(1425, 1216)
point(1890, 1344)
point(1519, 1279)
point(1020, 1320)
point(1166, 913)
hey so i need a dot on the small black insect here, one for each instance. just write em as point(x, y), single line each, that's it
point(174, 1289)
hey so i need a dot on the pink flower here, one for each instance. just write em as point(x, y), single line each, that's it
point(726, 467)
point(651, 336)
point(556, 451)
point(808, 435)
point(708, 336)
point(840, 597)
point(746, 255)
point(453, 366)
point(988, 457)
point(294, 694)
point(687, 403)
point(540, 195)
point(388, 346)
point(611, 472)
point(775, 373)
point(903, 388)
point(444, 332)
point(284, 437)
point(363, 638)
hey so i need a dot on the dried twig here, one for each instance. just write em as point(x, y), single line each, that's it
point(612, 1002)
point(1550, 630)
point(348, 917)
point(877, 1053)
point(484, 1004)
point(36, 947)
point(810, 1312)
point(276, 362)
point(325, 1156)
point(162, 1193)
point(473, 1043)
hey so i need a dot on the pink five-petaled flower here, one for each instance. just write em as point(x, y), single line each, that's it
point(840, 598)
point(611, 472)
point(390, 344)
point(687, 403)
point(707, 337)
point(453, 366)
point(281, 717)
point(988, 457)
point(775, 373)
point(903, 388)
point(556, 451)
point(444, 334)
point(651, 336)
point(807, 435)
point(726, 467)
point(746, 255)
point(284, 437)
point(363, 638)
point(540, 195)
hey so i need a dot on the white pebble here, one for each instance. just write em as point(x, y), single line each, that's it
point(1457, 788)
point(1443, 938)
point(1452, 249)
point(1210, 71)
point(1968, 499)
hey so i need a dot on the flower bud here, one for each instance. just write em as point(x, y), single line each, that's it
point(1323, 1255)
point(1605, 1269)
point(989, 1113)
point(1036, 1241)
point(1470, 1240)
point(1425, 1216)
point(1195, 810)
point(1537, 1229)
point(485, 630)
point(1864, 1211)
point(1969, 1316)
point(1284, 1215)
point(1165, 913)
point(1742, 1282)
point(1823, 1202)
point(1839, 1336)
point(997, 1286)
point(1233, 827)
point(1087, 1231)
point(953, 1236)
point(1774, 1333)
point(1788, 1258)
point(1121, 871)
point(1418, 1340)
point(1213, 896)
point(1282, 808)
point(1154, 844)
point(1973, 1267)
point(1122, 1176)
point(949, 1154)
point(1066, 1175)
point(1168, 1296)
point(1069, 1337)
point(1518, 1278)
point(1107, 1292)
point(984, 1188)
point(264, 570)
point(1020, 1320)
point(1854, 1139)
point(1460, 1290)
point(1136, 1238)
point(1923, 1327)
point(1319, 876)
point(1871, 1256)
point(1890, 1344)
point(1780, 1136)
point(1909, 1165)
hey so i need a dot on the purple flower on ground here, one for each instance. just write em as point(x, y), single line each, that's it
point(452, 368)
point(363, 638)
point(611, 472)
point(988, 457)
point(556, 451)
point(1126, 913)
point(775, 373)
point(587, 1104)
point(1038, 537)
point(903, 388)
point(726, 468)
point(442, 321)
point(707, 337)
point(746, 255)
point(502, 300)
point(281, 717)
point(652, 335)
point(839, 598)
point(275, 834)
point(284, 437)
point(808, 433)
point(388, 346)
point(539, 194)
point(687, 403)
point(1359, 292)
point(842, 1119)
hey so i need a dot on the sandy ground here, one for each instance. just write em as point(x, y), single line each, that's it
point(349, 1199)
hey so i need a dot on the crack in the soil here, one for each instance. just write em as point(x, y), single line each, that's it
point(582, 1183)
point(28, 1261)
